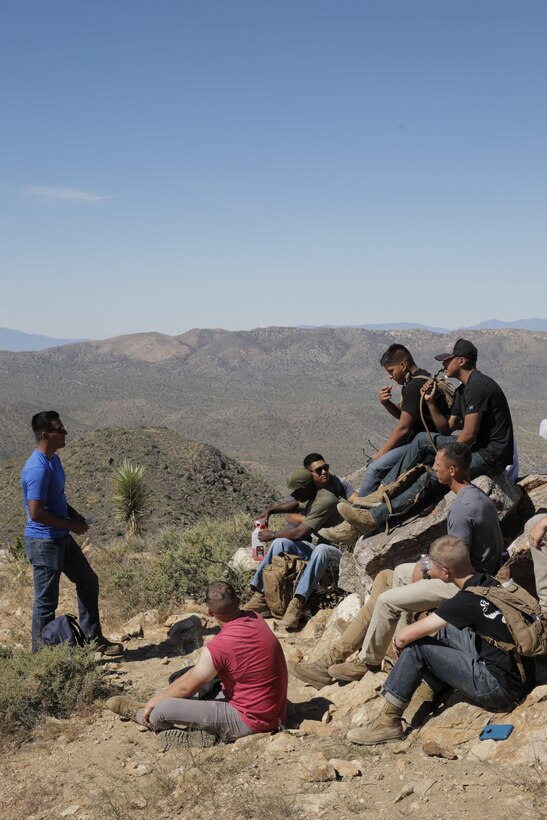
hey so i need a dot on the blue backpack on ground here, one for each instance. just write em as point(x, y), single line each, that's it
point(64, 629)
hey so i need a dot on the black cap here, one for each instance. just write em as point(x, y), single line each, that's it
point(463, 347)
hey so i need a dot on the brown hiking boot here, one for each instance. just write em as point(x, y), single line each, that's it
point(314, 674)
point(342, 535)
point(125, 707)
point(317, 674)
point(370, 500)
point(387, 727)
point(293, 614)
point(362, 520)
point(257, 603)
point(351, 670)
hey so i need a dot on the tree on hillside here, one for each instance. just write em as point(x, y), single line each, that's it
point(131, 496)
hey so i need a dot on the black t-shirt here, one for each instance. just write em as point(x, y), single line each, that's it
point(410, 403)
point(482, 395)
point(466, 609)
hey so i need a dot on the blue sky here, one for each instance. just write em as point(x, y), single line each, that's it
point(171, 164)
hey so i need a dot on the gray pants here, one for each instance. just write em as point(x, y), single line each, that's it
point(218, 717)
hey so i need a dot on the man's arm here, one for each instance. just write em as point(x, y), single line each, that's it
point(385, 400)
point(398, 434)
point(298, 533)
point(283, 507)
point(187, 685)
point(72, 513)
point(471, 426)
point(420, 629)
point(443, 424)
point(37, 512)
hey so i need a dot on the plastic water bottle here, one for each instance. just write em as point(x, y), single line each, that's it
point(258, 548)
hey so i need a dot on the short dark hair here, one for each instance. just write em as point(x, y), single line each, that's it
point(41, 422)
point(457, 454)
point(395, 354)
point(310, 458)
point(221, 598)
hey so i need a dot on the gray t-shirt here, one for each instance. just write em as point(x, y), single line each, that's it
point(473, 518)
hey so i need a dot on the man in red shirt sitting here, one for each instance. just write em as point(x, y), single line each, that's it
point(248, 659)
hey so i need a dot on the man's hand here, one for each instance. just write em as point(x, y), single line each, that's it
point(266, 535)
point(77, 526)
point(385, 394)
point(429, 390)
point(537, 533)
point(148, 708)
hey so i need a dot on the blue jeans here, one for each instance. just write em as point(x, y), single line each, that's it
point(49, 558)
point(421, 451)
point(318, 559)
point(451, 658)
point(376, 470)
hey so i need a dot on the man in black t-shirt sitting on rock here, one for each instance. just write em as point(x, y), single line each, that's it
point(403, 370)
point(480, 409)
point(457, 656)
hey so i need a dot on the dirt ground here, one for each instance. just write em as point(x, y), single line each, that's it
point(97, 766)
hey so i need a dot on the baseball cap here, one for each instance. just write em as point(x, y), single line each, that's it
point(463, 347)
point(298, 479)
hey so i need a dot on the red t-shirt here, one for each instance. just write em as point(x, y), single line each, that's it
point(251, 665)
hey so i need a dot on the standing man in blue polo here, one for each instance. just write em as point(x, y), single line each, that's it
point(49, 545)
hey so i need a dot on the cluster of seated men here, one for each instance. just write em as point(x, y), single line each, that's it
point(455, 646)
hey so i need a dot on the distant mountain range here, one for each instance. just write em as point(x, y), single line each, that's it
point(266, 396)
point(489, 324)
point(16, 340)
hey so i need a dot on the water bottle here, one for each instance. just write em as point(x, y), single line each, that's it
point(258, 548)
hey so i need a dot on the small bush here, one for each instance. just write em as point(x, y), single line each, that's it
point(54, 681)
point(17, 550)
point(185, 561)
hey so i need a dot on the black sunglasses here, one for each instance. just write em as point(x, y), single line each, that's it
point(60, 429)
point(323, 469)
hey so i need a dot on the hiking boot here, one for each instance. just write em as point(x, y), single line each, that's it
point(188, 738)
point(362, 520)
point(293, 614)
point(110, 649)
point(342, 535)
point(125, 707)
point(370, 500)
point(314, 674)
point(317, 674)
point(257, 603)
point(351, 670)
point(425, 699)
point(387, 727)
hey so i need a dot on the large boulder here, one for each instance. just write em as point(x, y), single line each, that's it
point(410, 539)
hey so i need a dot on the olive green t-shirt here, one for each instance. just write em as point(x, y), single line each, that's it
point(321, 511)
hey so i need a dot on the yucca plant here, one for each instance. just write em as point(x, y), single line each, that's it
point(131, 496)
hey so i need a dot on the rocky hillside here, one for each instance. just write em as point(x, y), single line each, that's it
point(265, 396)
point(187, 479)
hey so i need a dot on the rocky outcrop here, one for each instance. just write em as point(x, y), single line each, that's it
point(409, 540)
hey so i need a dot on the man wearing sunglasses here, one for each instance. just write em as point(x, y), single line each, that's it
point(49, 545)
point(324, 480)
point(315, 489)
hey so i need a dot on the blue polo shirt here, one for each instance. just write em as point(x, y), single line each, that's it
point(43, 479)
